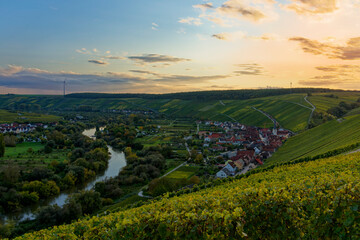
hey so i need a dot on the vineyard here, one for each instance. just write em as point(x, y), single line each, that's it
point(312, 200)
point(326, 137)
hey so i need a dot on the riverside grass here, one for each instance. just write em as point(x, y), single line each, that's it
point(310, 200)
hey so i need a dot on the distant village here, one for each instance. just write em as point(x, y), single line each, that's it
point(250, 145)
point(18, 128)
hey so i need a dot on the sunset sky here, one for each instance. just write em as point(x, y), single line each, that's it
point(158, 46)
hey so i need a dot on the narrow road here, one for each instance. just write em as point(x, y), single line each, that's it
point(222, 103)
point(245, 170)
point(312, 110)
point(301, 105)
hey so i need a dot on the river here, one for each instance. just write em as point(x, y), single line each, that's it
point(116, 163)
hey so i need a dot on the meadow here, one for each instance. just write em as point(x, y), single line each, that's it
point(184, 172)
point(29, 155)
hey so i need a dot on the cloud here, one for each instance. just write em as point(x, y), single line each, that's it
point(154, 26)
point(249, 69)
point(335, 75)
point(230, 11)
point(156, 58)
point(317, 82)
point(83, 51)
point(191, 21)
point(237, 9)
point(204, 6)
point(17, 77)
point(312, 7)
point(348, 51)
point(173, 78)
point(99, 62)
point(340, 69)
point(232, 36)
point(113, 57)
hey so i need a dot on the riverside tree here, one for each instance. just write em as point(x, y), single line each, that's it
point(2, 146)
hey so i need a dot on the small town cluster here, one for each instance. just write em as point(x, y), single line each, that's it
point(250, 145)
point(18, 128)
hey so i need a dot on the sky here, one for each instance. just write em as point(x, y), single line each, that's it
point(163, 46)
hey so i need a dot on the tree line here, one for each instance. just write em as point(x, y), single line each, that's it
point(207, 95)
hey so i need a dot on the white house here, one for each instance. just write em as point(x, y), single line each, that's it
point(223, 173)
point(231, 167)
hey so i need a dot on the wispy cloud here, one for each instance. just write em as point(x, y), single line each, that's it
point(233, 36)
point(191, 21)
point(348, 51)
point(83, 51)
point(237, 9)
point(99, 62)
point(204, 6)
point(249, 69)
point(154, 26)
point(312, 7)
point(341, 75)
point(156, 58)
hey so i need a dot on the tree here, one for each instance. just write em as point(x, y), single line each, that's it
point(10, 141)
point(11, 173)
point(2, 145)
point(199, 159)
point(90, 201)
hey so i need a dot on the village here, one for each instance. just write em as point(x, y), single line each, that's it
point(239, 148)
point(18, 128)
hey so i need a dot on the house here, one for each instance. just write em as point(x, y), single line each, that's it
point(223, 173)
point(239, 164)
point(229, 154)
point(231, 167)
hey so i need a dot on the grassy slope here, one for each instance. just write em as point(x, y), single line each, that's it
point(297, 201)
point(283, 108)
point(323, 103)
point(326, 137)
point(9, 117)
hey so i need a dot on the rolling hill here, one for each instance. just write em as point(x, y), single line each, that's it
point(326, 137)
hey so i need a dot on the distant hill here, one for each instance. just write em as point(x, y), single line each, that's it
point(207, 95)
point(290, 110)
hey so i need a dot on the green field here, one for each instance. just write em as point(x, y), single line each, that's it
point(183, 172)
point(10, 117)
point(22, 149)
point(323, 103)
point(28, 160)
point(329, 136)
